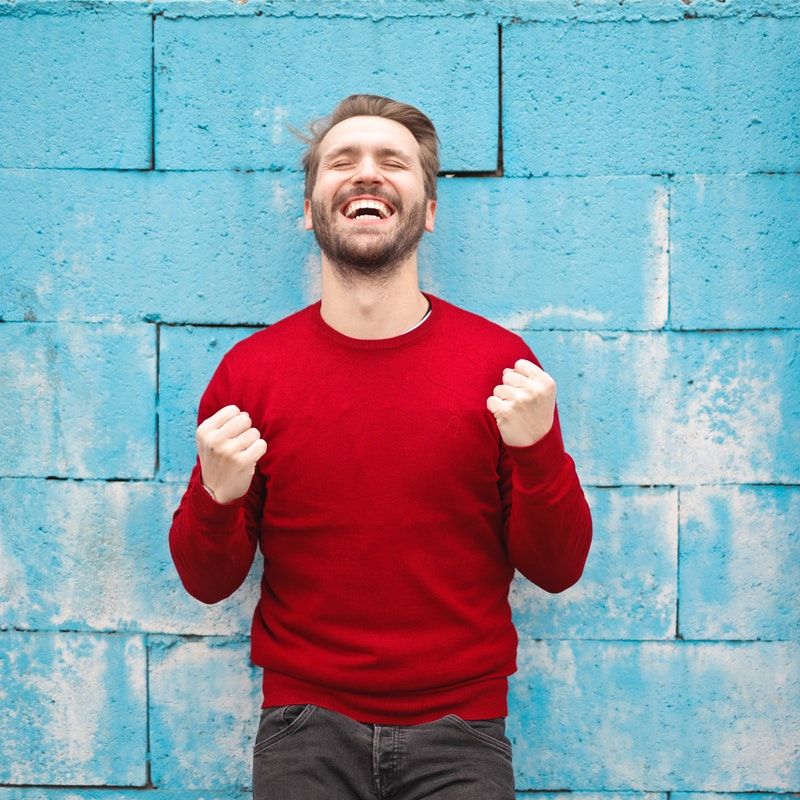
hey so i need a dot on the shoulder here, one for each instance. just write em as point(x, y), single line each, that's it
point(272, 341)
point(479, 333)
point(253, 365)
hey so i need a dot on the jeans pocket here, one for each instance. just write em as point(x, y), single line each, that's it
point(489, 731)
point(279, 722)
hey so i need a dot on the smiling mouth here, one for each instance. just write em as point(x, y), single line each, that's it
point(367, 209)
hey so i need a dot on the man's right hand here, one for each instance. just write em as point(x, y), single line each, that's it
point(229, 447)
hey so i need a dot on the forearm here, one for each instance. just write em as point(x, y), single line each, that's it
point(549, 527)
point(210, 544)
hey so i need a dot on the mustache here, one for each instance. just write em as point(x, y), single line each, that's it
point(346, 195)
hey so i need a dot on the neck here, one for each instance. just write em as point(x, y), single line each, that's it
point(364, 308)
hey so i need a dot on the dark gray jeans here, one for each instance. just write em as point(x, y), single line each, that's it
point(311, 753)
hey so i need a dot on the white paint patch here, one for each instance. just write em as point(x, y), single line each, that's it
point(37, 436)
point(641, 590)
point(556, 659)
point(762, 546)
point(756, 528)
point(657, 314)
point(524, 319)
point(279, 124)
point(648, 358)
point(84, 220)
point(13, 597)
point(427, 273)
point(231, 692)
point(312, 277)
point(700, 183)
point(282, 200)
point(759, 747)
point(44, 287)
point(82, 359)
point(91, 537)
point(706, 416)
point(262, 113)
point(275, 118)
point(731, 422)
point(81, 718)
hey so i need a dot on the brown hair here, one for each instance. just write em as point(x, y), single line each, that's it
point(370, 105)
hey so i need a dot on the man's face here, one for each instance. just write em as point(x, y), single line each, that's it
point(368, 208)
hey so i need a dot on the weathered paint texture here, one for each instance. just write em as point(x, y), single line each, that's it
point(620, 184)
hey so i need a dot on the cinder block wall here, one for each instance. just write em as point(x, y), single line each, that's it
point(620, 184)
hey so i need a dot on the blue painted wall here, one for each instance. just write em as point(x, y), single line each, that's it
point(621, 185)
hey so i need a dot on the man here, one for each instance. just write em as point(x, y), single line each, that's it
point(395, 459)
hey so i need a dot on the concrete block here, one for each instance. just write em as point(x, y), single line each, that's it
point(629, 586)
point(620, 716)
point(188, 357)
point(723, 796)
point(672, 409)
point(41, 793)
point(199, 247)
point(227, 87)
point(73, 709)
point(739, 548)
point(735, 251)
point(83, 399)
point(528, 253)
point(694, 96)
point(205, 705)
point(76, 90)
point(94, 556)
point(570, 795)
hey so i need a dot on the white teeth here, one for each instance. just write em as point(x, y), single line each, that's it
point(367, 208)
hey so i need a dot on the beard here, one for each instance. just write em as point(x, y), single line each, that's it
point(368, 252)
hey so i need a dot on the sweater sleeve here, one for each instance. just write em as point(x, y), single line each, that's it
point(548, 522)
point(213, 544)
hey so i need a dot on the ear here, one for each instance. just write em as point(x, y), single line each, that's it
point(430, 216)
point(307, 215)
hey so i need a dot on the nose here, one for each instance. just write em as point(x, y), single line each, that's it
point(367, 171)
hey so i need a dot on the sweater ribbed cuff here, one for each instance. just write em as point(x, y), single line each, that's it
point(208, 511)
point(539, 463)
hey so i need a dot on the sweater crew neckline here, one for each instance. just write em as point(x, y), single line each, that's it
point(420, 331)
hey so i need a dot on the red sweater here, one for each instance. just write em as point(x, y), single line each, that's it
point(389, 514)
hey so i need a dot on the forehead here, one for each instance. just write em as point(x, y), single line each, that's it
point(369, 133)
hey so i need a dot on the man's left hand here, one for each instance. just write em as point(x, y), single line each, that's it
point(523, 404)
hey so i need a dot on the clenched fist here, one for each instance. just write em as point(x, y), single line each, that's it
point(229, 447)
point(523, 404)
